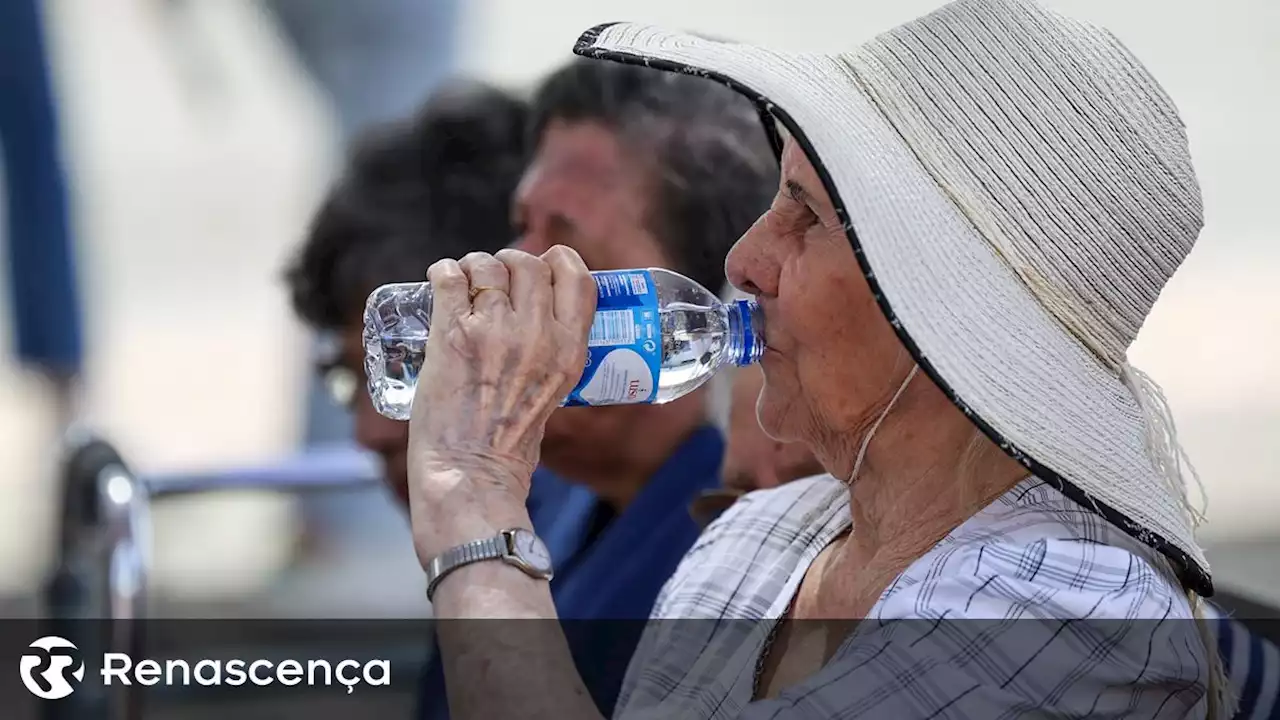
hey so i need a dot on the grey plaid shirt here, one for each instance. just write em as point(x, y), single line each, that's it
point(1035, 607)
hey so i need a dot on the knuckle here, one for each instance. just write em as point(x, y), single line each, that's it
point(483, 265)
point(524, 262)
point(568, 266)
point(559, 254)
point(446, 272)
point(476, 258)
point(513, 256)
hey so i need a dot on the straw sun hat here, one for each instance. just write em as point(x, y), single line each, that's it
point(1018, 190)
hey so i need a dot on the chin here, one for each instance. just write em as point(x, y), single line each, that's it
point(772, 414)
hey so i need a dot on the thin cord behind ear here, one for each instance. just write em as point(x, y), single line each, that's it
point(866, 441)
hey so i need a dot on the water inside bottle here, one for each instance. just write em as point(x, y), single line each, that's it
point(395, 341)
point(693, 338)
point(699, 334)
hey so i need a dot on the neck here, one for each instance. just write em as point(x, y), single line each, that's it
point(653, 435)
point(926, 470)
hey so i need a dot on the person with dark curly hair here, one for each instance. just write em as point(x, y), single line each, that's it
point(434, 185)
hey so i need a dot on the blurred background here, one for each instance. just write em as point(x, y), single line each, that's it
point(196, 136)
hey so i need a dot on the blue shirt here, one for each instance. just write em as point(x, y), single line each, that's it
point(1251, 662)
point(608, 570)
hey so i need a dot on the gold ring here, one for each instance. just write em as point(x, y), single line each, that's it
point(481, 288)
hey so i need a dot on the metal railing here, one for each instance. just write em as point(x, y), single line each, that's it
point(97, 594)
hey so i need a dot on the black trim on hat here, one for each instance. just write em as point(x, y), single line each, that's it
point(1191, 574)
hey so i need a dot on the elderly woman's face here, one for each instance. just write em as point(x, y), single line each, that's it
point(832, 360)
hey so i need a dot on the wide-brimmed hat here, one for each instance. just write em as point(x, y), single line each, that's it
point(1018, 190)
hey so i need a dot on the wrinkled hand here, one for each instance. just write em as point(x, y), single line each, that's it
point(507, 345)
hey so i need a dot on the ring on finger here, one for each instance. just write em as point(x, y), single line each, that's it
point(477, 289)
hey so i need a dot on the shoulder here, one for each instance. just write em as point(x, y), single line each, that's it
point(1042, 578)
point(1035, 553)
point(740, 563)
point(1032, 604)
point(1028, 607)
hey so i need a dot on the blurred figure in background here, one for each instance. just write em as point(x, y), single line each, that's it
point(42, 277)
point(638, 168)
point(437, 185)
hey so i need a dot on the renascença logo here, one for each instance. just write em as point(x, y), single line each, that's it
point(53, 663)
point(51, 666)
point(118, 667)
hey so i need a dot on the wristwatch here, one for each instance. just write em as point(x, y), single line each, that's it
point(514, 546)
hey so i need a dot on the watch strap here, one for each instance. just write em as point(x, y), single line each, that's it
point(494, 548)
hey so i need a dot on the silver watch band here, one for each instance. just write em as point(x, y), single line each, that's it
point(493, 548)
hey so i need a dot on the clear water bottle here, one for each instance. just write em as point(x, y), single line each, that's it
point(657, 336)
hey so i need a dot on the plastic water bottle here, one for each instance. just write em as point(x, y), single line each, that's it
point(657, 336)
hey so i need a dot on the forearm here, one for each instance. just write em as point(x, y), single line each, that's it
point(502, 647)
point(508, 341)
point(504, 652)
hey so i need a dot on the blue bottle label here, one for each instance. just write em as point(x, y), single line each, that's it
point(624, 350)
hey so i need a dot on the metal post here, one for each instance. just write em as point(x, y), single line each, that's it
point(127, 525)
point(97, 596)
point(74, 594)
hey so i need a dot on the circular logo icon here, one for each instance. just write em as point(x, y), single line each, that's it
point(50, 666)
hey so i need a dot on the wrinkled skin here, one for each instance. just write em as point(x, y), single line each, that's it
point(496, 367)
point(753, 460)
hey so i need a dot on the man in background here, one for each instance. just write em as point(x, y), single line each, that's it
point(634, 168)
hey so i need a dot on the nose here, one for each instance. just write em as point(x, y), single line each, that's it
point(750, 267)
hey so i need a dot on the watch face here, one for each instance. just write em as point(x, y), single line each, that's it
point(532, 550)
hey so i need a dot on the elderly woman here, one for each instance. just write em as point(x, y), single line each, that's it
point(977, 211)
